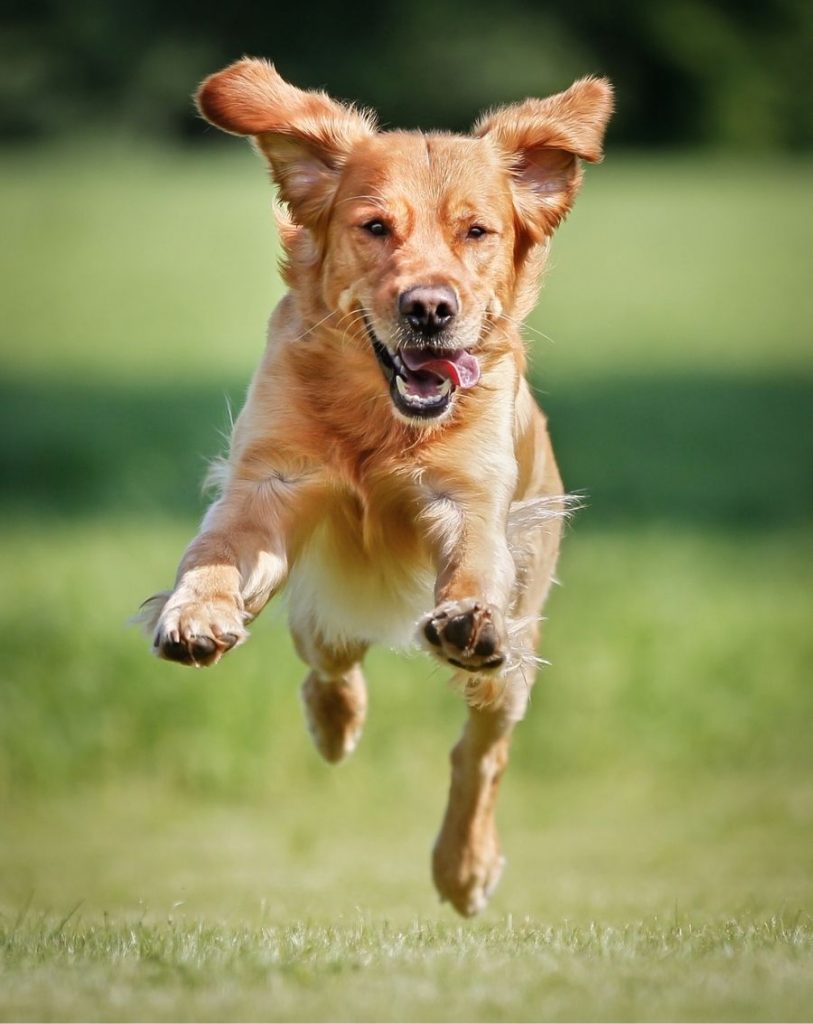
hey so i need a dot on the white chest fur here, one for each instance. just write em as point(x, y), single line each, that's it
point(350, 594)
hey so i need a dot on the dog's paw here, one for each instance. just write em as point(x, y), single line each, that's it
point(466, 876)
point(198, 633)
point(334, 713)
point(468, 634)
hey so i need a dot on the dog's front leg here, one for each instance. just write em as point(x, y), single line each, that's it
point(227, 574)
point(467, 629)
point(474, 583)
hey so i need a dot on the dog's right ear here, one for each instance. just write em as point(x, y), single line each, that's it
point(543, 141)
point(306, 136)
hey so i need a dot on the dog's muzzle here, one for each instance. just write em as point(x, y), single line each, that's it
point(423, 379)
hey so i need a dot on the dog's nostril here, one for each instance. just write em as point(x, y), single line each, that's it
point(428, 310)
point(444, 312)
point(417, 315)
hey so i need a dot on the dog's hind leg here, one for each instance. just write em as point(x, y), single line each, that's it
point(334, 694)
point(466, 860)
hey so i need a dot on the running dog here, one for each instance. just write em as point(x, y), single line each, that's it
point(391, 468)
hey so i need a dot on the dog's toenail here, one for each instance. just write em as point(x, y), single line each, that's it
point(228, 640)
point(494, 662)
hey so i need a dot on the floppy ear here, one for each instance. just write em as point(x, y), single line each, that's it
point(543, 141)
point(306, 136)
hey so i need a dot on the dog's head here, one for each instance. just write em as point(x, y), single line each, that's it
point(418, 245)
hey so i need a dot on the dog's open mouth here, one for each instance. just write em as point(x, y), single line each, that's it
point(423, 380)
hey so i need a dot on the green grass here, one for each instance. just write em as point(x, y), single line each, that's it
point(657, 660)
point(360, 970)
point(632, 896)
point(160, 266)
point(657, 813)
point(626, 898)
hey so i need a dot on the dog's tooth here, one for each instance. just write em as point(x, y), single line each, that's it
point(400, 383)
point(445, 387)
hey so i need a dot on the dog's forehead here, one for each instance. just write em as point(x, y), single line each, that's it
point(430, 167)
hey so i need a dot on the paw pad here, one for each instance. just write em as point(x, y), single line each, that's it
point(467, 634)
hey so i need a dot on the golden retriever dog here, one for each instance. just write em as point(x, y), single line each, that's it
point(390, 467)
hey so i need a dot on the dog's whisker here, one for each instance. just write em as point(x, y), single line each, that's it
point(351, 325)
point(313, 327)
point(523, 325)
point(356, 317)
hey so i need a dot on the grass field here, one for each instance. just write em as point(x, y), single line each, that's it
point(170, 845)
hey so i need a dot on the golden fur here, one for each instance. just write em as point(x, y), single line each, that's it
point(386, 523)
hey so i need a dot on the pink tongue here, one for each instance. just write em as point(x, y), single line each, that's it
point(461, 368)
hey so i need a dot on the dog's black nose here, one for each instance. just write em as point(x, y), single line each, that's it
point(428, 309)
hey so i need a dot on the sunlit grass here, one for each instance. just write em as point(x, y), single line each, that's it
point(162, 266)
point(364, 970)
point(668, 648)
point(675, 263)
point(626, 897)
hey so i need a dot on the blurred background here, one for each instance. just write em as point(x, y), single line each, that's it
point(666, 758)
point(725, 74)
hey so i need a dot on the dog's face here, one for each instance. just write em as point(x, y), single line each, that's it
point(420, 240)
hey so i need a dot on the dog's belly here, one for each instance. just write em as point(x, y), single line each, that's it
point(349, 592)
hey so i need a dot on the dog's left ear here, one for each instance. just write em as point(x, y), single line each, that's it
point(543, 141)
point(306, 136)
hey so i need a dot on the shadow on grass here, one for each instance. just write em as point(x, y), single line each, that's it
point(695, 449)
point(703, 449)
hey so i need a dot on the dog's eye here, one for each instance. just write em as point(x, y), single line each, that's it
point(377, 228)
point(476, 231)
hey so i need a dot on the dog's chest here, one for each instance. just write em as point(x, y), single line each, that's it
point(364, 572)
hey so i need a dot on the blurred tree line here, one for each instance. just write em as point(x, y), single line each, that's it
point(736, 73)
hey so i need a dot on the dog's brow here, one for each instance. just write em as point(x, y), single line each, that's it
point(377, 200)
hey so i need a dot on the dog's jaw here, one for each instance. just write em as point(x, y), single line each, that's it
point(423, 397)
